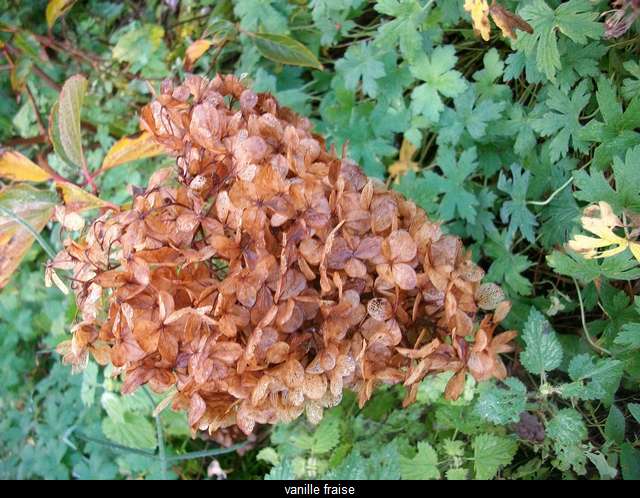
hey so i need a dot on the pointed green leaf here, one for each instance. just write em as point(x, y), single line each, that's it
point(285, 50)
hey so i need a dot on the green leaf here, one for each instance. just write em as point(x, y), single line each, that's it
point(471, 116)
point(420, 189)
point(593, 378)
point(89, 384)
point(575, 19)
point(605, 470)
point(268, 455)
point(507, 266)
point(629, 336)
point(515, 211)
point(270, 15)
point(543, 351)
point(457, 474)
point(404, 29)
point(634, 409)
point(456, 199)
point(54, 136)
point(440, 80)
point(617, 133)
point(631, 86)
point(562, 121)
point(490, 452)
point(282, 472)
point(423, 466)
point(142, 47)
point(68, 117)
point(133, 430)
point(630, 462)
point(326, 436)
point(285, 50)
point(620, 267)
point(502, 405)
point(567, 427)
point(595, 187)
point(614, 427)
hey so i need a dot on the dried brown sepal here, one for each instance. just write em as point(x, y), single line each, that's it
point(273, 275)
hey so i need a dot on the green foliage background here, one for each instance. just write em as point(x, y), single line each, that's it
point(513, 139)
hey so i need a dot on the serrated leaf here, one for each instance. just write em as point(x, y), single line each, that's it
point(89, 384)
point(593, 378)
point(502, 405)
point(543, 351)
point(268, 455)
point(620, 267)
point(423, 466)
point(515, 210)
point(617, 132)
point(57, 9)
point(31, 205)
point(490, 452)
point(17, 167)
point(567, 427)
point(361, 64)
point(575, 19)
point(140, 146)
point(440, 80)
point(285, 50)
point(596, 187)
point(457, 474)
point(326, 436)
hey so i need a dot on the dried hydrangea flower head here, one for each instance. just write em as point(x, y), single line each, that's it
point(273, 274)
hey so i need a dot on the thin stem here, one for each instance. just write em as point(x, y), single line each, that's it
point(162, 453)
point(115, 446)
point(205, 453)
point(43, 243)
point(595, 346)
point(552, 196)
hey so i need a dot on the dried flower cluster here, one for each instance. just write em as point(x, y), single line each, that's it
point(273, 274)
point(621, 17)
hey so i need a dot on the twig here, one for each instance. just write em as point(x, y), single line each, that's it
point(34, 105)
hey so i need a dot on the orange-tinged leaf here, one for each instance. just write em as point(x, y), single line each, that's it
point(140, 146)
point(15, 166)
point(31, 205)
point(195, 51)
point(479, 10)
point(57, 9)
point(404, 162)
point(77, 199)
point(507, 21)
